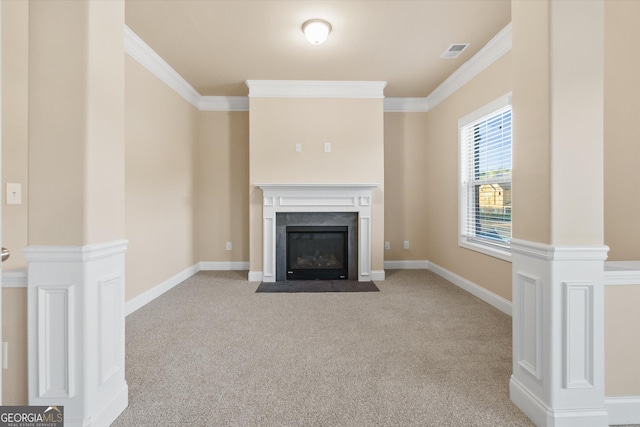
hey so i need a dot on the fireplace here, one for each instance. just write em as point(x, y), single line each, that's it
point(317, 253)
point(316, 246)
point(302, 205)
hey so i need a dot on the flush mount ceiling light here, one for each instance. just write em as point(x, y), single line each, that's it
point(316, 30)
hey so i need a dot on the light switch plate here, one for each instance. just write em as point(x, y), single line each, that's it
point(14, 194)
point(327, 147)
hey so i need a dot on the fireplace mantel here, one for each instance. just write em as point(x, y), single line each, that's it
point(287, 189)
point(354, 197)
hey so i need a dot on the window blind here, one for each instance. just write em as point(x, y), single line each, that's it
point(486, 178)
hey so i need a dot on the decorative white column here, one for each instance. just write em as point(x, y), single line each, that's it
point(76, 330)
point(558, 248)
point(558, 334)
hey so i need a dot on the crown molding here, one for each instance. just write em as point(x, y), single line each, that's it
point(494, 49)
point(141, 52)
point(223, 103)
point(315, 89)
point(406, 105)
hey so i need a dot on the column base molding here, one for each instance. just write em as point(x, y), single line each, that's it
point(76, 338)
point(542, 415)
point(558, 333)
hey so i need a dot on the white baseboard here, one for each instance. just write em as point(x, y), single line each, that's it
point(153, 293)
point(541, 415)
point(223, 265)
point(406, 265)
point(623, 409)
point(378, 275)
point(255, 276)
point(489, 297)
point(535, 410)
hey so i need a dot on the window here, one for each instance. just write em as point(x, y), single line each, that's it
point(485, 179)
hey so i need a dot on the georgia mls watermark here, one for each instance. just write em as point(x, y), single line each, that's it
point(31, 416)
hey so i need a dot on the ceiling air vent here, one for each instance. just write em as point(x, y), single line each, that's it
point(454, 50)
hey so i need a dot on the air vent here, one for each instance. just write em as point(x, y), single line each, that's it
point(454, 50)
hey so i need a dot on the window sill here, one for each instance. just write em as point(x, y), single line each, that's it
point(494, 251)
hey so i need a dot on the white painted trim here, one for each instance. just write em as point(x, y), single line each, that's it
point(314, 197)
point(542, 415)
point(547, 252)
point(106, 415)
point(488, 109)
point(146, 297)
point(528, 403)
point(315, 89)
point(255, 276)
point(76, 329)
point(223, 265)
point(566, 308)
point(304, 188)
point(623, 409)
point(621, 273)
point(406, 105)
point(406, 265)
point(485, 295)
point(489, 53)
point(147, 57)
point(74, 253)
point(15, 278)
point(223, 103)
point(378, 275)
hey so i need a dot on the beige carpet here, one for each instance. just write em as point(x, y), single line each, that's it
point(421, 352)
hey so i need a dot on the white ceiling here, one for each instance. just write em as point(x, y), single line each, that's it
point(216, 45)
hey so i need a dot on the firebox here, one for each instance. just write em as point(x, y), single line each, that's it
point(317, 252)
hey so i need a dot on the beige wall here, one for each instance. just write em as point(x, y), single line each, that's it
point(622, 350)
point(621, 131)
point(15, 66)
point(576, 122)
point(161, 131)
point(222, 179)
point(76, 122)
point(621, 193)
point(531, 104)
point(441, 184)
point(406, 191)
point(354, 127)
point(14, 331)
point(15, 86)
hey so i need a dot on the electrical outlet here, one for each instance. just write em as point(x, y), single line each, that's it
point(327, 147)
point(387, 245)
point(298, 148)
point(229, 246)
point(406, 244)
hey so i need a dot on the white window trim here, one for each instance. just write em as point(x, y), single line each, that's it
point(482, 247)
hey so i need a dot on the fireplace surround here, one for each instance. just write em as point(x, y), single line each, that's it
point(316, 199)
